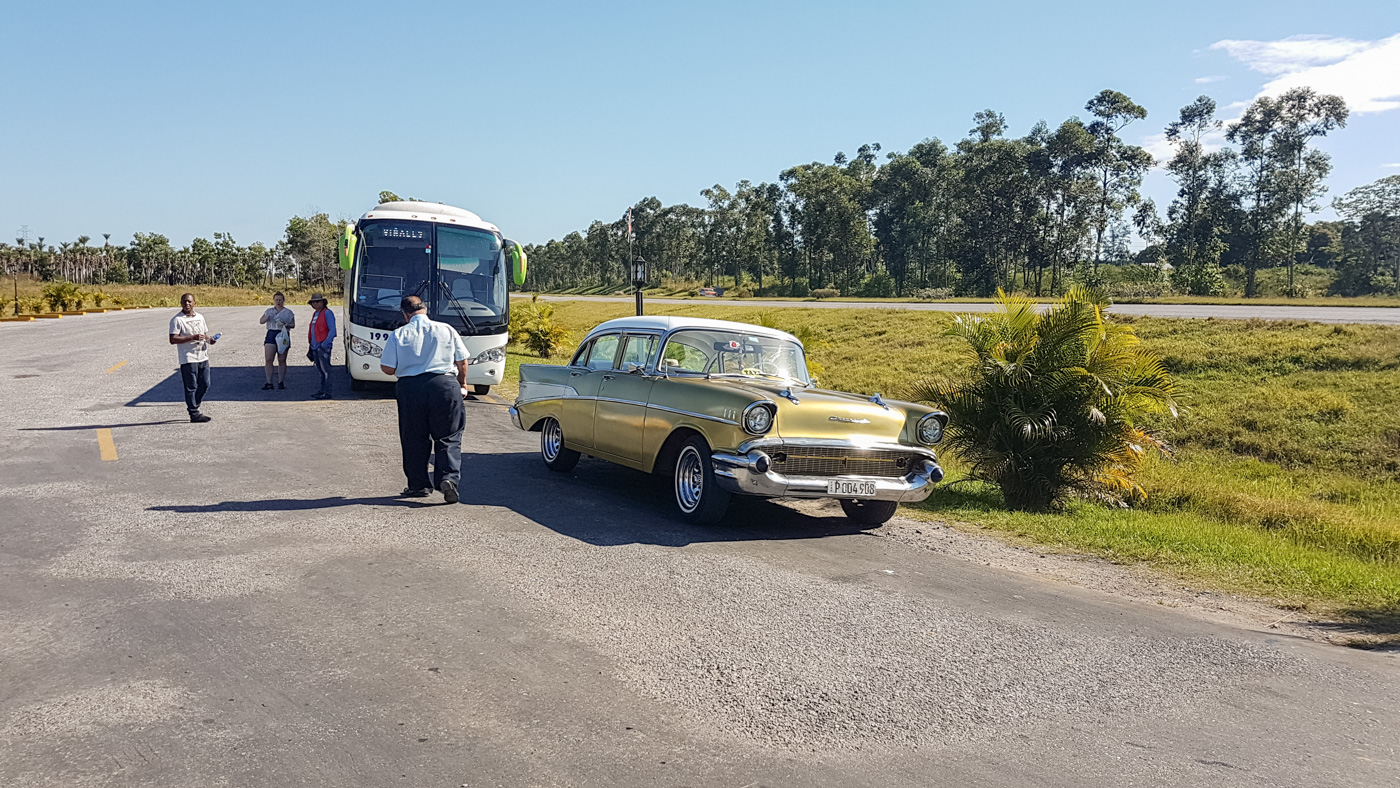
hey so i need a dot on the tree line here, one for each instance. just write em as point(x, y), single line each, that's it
point(1032, 214)
point(306, 255)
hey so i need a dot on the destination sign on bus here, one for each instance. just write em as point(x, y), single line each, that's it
point(399, 235)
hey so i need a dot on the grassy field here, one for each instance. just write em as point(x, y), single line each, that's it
point(31, 290)
point(1286, 480)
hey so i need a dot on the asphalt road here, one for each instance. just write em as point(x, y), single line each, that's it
point(1383, 315)
point(246, 603)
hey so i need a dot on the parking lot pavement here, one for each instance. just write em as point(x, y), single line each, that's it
point(245, 602)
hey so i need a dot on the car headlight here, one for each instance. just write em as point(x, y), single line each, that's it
point(758, 418)
point(364, 347)
point(930, 429)
point(493, 356)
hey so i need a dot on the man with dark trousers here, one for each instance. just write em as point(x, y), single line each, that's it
point(424, 354)
point(190, 336)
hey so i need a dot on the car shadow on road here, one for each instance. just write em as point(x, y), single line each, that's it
point(607, 505)
point(291, 504)
point(244, 384)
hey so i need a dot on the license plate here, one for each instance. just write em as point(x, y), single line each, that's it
point(851, 489)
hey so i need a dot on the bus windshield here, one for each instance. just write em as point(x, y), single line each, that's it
point(471, 284)
point(459, 272)
point(396, 260)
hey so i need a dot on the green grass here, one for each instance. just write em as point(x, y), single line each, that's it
point(31, 289)
point(1286, 480)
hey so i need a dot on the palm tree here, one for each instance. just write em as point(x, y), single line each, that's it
point(1054, 404)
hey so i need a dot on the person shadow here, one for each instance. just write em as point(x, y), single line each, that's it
point(607, 505)
point(292, 504)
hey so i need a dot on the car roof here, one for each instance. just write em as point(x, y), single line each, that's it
point(671, 323)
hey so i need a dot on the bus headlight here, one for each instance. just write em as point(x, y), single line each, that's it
point(493, 356)
point(364, 347)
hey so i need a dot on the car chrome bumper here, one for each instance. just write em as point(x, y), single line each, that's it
point(751, 474)
point(515, 417)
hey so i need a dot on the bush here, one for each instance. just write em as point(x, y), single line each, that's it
point(741, 292)
point(536, 330)
point(1052, 407)
point(60, 295)
point(826, 292)
point(934, 293)
point(799, 288)
point(879, 285)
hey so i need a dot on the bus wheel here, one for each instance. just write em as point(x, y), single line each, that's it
point(477, 388)
point(556, 456)
point(357, 385)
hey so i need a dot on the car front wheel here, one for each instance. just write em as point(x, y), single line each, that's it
point(698, 497)
point(556, 456)
point(869, 512)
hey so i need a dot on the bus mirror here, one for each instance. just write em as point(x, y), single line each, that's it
point(347, 247)
point(518, 262)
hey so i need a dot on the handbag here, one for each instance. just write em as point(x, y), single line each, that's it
point(311, 355)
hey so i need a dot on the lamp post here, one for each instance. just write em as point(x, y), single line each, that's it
point(639, 279)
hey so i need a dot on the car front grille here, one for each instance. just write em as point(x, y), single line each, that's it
point(836, 461)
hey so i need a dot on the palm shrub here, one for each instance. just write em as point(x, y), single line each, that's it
point(60, 294)
point(1054, 405)
point(539, 333)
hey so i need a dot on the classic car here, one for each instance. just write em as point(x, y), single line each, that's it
point(723, 409)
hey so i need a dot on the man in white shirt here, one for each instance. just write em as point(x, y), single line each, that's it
point(190, 336)
point(424, 354)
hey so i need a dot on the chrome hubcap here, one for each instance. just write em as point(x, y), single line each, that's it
point(690, 479)
point(551, 440)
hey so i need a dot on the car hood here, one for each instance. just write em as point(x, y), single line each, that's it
point(822, 413)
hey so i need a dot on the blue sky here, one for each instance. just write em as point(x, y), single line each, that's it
point(191, 118)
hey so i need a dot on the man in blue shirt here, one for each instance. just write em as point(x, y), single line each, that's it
point(423, 355)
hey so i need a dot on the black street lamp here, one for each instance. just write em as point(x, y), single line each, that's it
point(639, 279)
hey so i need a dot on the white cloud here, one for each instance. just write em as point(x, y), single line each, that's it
point(1163, 149)
point(1208, 80)
point(1364, 73)
point(1397, 164)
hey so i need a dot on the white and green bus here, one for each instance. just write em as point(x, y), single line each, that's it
point(452, 259)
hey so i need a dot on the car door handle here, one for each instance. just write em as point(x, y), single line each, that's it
point(575, 374)
point(607, 377)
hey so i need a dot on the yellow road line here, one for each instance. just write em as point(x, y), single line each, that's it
point(105, 445)
point(119, 365)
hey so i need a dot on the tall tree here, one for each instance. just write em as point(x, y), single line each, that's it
point(1193, 242)
point(1304, 115)
point(1118, 165)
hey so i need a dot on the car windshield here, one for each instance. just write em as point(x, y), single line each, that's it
point(711, 352)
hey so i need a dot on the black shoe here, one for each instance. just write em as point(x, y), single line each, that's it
point(267, 387)
point(320, 395)
point(449, 491)
point(281, 385)
point(199, 418)
point(409, 492)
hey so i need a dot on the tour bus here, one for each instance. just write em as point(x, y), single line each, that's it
point(452, 259)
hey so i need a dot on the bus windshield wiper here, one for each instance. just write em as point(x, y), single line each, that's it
point(461, 310)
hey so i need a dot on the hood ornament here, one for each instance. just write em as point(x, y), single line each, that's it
point(787, 394)
point(876, 399)
point(849, 420)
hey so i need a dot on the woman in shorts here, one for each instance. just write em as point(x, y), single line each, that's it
point(279, 319)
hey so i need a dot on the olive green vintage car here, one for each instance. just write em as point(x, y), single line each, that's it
point(727, 409)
